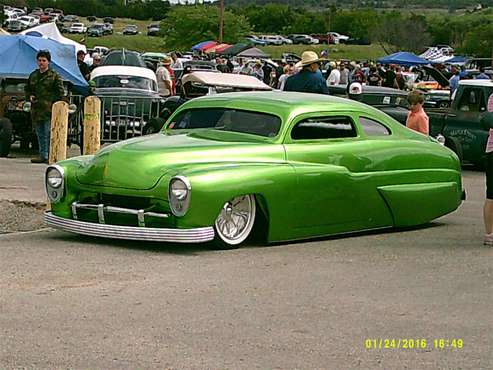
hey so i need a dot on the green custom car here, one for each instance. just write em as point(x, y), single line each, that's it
point(288, 165)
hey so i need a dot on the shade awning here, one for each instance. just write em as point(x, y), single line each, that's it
point(50, 31)
point(217, 48)
point(18, 55)
point(403, 58)
point(235, 49)
point(252, 53)
point(203, 45)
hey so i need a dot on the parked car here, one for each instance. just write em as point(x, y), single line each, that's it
point(275, 40)
point(123, 57)
point(108, 20)
point(91, 18)
point(28, 21)
point(15, 117)
point(288, 166)
point(129, 97)
point(460, 124)
point(338, 38)
point(96, 30)
point(152, 59)
point(201, 83)
point(14, 26)
point(131, 29)
point(71, 18)
point(323, 38)
point(78, 28)
point(252, 39)
point(302, 39)
point(107, 29)
point(153, 29)
point(358, 41)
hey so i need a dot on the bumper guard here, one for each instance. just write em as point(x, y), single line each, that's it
point(197, 235)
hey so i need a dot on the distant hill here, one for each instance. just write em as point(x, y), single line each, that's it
point(408, 4)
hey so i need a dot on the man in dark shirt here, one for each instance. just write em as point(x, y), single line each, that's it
point(84, 68)
point(44, 87)
point(390, 77)
point(309, 79)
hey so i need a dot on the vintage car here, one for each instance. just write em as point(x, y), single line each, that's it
point(197, 84)
point(227, 166)
point(129, 99)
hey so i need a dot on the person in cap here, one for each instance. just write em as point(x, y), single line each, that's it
point(164, 80)
point(309, 79)
point(335, 75)
point(84, 68)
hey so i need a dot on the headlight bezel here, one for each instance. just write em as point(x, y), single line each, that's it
point(179, 205)
point(55, 193)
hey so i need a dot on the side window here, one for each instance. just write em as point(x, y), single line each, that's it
point(323, 128)
point(373, 128)
point(472, 101)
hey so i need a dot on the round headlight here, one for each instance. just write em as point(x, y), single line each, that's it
point(179, 195)
point(54, 178)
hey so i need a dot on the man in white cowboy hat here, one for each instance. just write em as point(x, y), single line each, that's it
point(164, 81)
point(309, 79)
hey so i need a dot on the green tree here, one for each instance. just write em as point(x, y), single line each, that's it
point(479, 42)
point(185, 26)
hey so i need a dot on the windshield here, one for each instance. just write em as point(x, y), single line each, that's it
point(13, 87)
point(226, 119)
point(131, 82)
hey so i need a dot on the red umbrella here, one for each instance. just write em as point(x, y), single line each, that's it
point(210, 44)
point(217, 48)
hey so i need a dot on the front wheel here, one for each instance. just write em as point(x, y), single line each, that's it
point(235, 222)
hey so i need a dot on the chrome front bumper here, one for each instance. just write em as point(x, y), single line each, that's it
point(197, 235)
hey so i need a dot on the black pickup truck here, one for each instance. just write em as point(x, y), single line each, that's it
point(460, 124)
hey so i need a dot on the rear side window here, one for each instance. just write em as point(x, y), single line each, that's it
point(324, 128)
point(373, 128)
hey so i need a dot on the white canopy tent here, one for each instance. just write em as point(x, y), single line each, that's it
point(50, 31)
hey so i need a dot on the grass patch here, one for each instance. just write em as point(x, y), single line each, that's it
point(140, 42)
point(143, 43)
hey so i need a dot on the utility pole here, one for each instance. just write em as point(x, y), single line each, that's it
point(221, 20)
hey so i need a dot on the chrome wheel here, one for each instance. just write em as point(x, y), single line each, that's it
point(236, 219)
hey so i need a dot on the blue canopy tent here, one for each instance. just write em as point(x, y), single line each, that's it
point(18, 56)
point(403, 58)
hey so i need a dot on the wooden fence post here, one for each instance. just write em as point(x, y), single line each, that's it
point(92, 125)
point(59, 132)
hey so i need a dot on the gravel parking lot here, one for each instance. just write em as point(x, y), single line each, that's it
point(77, 302)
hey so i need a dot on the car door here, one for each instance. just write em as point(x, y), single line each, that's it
point(334, 163)
point(463, 124)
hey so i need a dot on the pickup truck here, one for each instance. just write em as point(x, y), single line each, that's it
point(460, 124)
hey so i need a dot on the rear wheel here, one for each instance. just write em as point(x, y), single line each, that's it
point(235, 222)
point(5, 136)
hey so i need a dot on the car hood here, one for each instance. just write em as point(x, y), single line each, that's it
point(437, 75)
point(139, 163)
